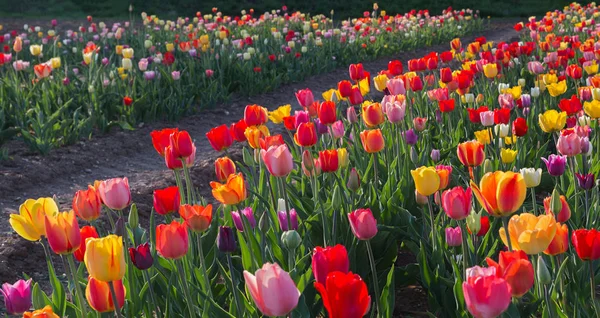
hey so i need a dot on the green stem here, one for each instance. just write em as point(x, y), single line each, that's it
point(186, 289)
point(375, 170)
point(465, 249)
point(179, 186)
point(149, 281)
point(433, 231)
point(78, 291)
point(234, 286)
point(113, 294)
point(203, 264)
point(191, 197)
point(323, 216)
point(374, 272)
point(505, 224)
point(533, 203)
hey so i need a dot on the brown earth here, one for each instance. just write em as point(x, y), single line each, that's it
point(130, 153)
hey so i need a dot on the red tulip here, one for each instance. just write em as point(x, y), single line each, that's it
point(516, 269)
point(416, 84)
point(474, 116)
point(161, 139)
point(574, 71)
point(305, 97)
point(172, 240)
point(446, 106)
point(220, 138)
point(173, 162)
point(127, 101)
point(327, 112)
point(166, 200)
point(446, 56)
point(329, 259)
point(572, 106)
point(306, 135)
point(267, 142)
point(289, 122)
point(446, 75)
point(395, 68)
point(237, 130)
point(520, 127)
point(355, 96)
point(182, 143)
point(356, 71)
point(329, 160)
point(255, 115)
point(501, 116)
point(344, 295)
point(85, 232)
point(345, 88)
point(587, 244)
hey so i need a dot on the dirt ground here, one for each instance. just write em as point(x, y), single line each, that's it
point(130, 153)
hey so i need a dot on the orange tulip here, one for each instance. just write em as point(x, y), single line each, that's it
point(372, 115)
point(87, 204)
point(560, 242)
point(197, 217)
point(444, 173)
point(372, 140)
point(45, 312)
point(255, 133)
point(470, 153)
point(516, 269)
point(98, 294)
point(232, 192)
point(62, 232)
point(172, 240)
point(500, 193)
point(224, 167)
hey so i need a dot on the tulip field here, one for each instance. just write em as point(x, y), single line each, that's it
point(479, 161)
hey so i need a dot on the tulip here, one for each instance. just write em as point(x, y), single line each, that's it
point(327, 112)
point(224, 167)
point(508, 156)
point(490, 70)
point(18, 45)
point(115, 193)
point(278, 160)
point(345, 88)
point(329, 160)
point(254, 134)
point(486, 294)
point(569, 144)
point(435, 155)
point(282, 217)
point(420, 123)
point(247, 214)
point(45, 312)
point(427, 181)
point(197, 217)
point(453, 236)
point(410, 137)
point(141, 256)
point(62, 232)
point(30, 222)
point(99, 297)
point(363, 224)
point(570, 106)
point(220, 138)
point(232, 192)
point(372, 115)
point(592, 109)
point(104, 258)
point(17, 296)
point(166, 200)
point(255, 115)
point(446, 106)
point(457, 203)
point(35, 49)
point(519, 127)
point(479, 223)
point(586, 244)
point(555, 164)
point(306, 135)
point(585, 181)
point(560, 242)
point(272, 290)
point(236, 131)
point(529, 233)
point(470, 153)
point(226, 240)
point(446, 75)
point(486, 118)
point(557, 89)
point(280, 113)
point(337, 129)
point(565, 212)
point(329, 259)
point(161, 139)
point(172, 240)
point(305, 97)
point(516, 269)
point(531, 176)
point(85, 233)
point(380, 82)
point(372, 140)
point(396, 86)
point(500, 193)
point(344, 295)
point(182, 144)
point(356, 71)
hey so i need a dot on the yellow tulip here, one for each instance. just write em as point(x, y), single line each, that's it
point(557, 89)
point(427, 180)
point(514, 91)
point(170, 47)
point(592, 108)
point(343, 158)
point(510, 140)
point(104, 258)
point(551, 120)
point(328, 95)
point(529, 233)
point(30, 222)
point(380, 82)
point(119, 49)
point(204, 40)
point(128, 53)
point(365, 86)
point(483, 136)
point(500, 193)
point(591, 69)
point(35, 49)
point(277, 115)
point(508, 155)
point(55, 62)
point(549, 78)
point(490, 70)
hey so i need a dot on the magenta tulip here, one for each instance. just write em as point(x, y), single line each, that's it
point(457, 203)
point(363, 224)
point(486, 294)
point(17, 297)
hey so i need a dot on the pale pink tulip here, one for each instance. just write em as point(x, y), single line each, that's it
point(272, 290)
point(115, 193)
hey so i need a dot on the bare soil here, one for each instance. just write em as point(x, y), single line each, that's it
point(130, 153)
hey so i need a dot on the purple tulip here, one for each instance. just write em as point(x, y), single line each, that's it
point(321, 129)
point(282, 216)
point(149, 75)
point(555, 164)
point(585, 181)
point(237, 218)
point(17, 297)
point(226, 239)
point(410, 136)
point(435, 155)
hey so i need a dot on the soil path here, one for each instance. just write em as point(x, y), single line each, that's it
point(130, 153)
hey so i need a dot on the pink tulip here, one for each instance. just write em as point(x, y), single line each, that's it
point(395, 112)
point(17, 297)
point(337, 129)
point(487, 118)
point(569, 145)
point(457, 203)
point(305, 97)
point(486, 294)
point(272, 290)
point(115, 193)
point(278, 160)
point(454, 236)
point(535, 67)
point(363, 224)
point(396, 86)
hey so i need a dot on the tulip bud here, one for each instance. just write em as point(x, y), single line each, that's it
point(308, 161)
point(435, 155)
point(535, 92)
point(133, 219)
point(487, 166)
point(469, 98)
point(247, 157)
point(474, 222)
point(421, 199)
point(353, 180)
point(291, 240)
point(226, 239)
point(351, 115)
point(521, 82)
point(555, 203)
point(543, 275)
point(414, 157)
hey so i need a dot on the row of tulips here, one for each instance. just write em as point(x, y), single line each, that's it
point(345, 177)
point(61, 85)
